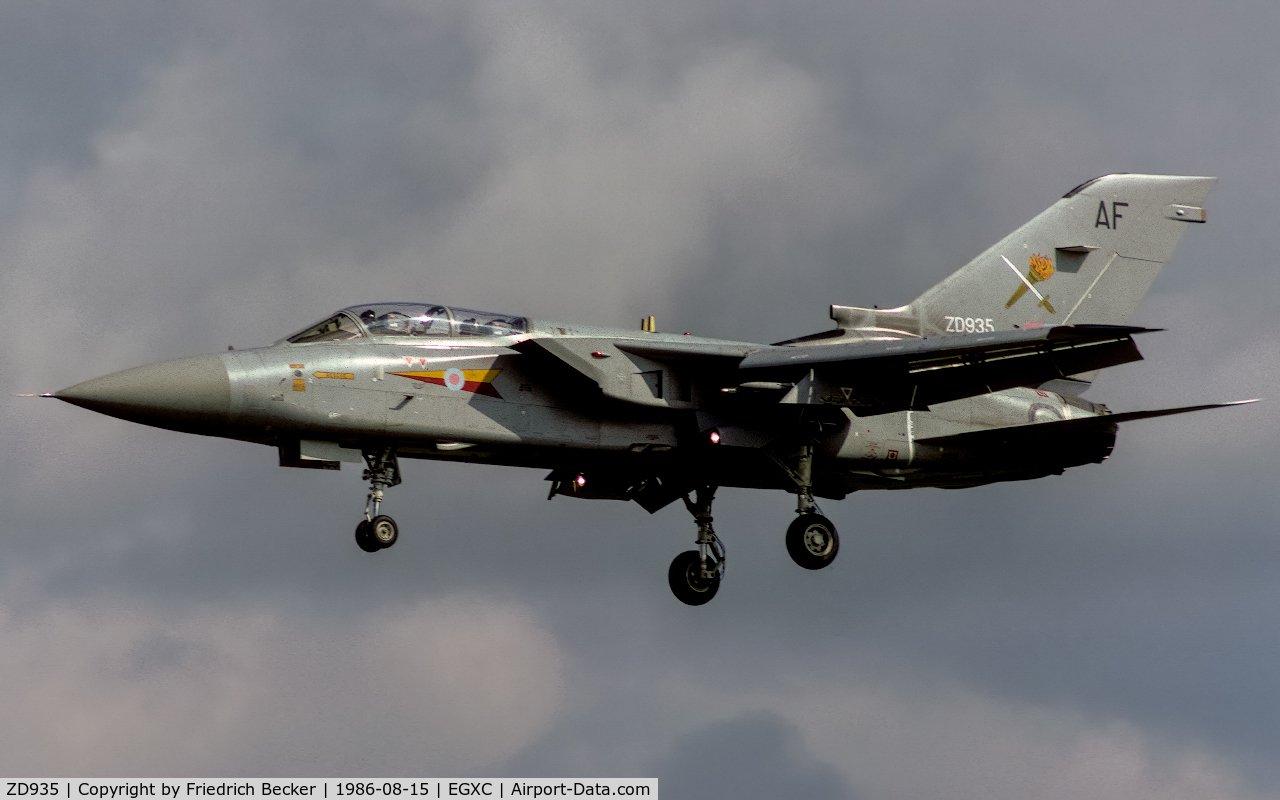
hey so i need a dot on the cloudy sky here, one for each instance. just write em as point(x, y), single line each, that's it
point(177, 178)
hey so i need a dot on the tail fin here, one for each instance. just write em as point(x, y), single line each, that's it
point(1088, 258)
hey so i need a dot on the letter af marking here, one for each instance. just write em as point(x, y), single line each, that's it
point(1114, 222)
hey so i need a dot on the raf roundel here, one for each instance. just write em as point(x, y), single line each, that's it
point(454, 379)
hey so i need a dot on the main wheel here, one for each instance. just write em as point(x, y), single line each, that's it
point(383, 531)
point(812, 541)
point(365, 539)
point(687, 583)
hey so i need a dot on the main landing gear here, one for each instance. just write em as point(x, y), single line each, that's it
point(695, 574)
point(812, 541)
point(377, 531)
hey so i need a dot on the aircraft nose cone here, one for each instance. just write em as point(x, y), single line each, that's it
point(186, 394)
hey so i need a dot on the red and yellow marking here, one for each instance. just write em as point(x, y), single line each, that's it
point(479, 381)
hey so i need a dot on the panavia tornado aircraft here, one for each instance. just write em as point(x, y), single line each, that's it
point(977, 380)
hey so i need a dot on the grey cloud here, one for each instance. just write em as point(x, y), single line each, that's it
point(65, 72)
point(755, 756)
point(120, 687)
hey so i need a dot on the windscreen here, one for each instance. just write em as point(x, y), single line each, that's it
point(409, 321)
point(334, 329)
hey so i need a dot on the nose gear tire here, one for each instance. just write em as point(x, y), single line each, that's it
point(687, 582)
point(812, 541)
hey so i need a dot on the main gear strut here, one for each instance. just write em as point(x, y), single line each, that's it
point(812, 541)
point(695, 575)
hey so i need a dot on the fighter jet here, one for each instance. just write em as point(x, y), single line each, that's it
point(978, 380)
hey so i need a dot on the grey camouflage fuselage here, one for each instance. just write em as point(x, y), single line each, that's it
point(978, 380)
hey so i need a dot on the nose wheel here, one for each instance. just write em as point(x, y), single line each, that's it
point(378, 531)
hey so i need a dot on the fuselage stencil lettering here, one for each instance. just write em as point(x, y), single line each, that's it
point(970, 324)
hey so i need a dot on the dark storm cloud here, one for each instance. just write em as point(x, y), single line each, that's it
point(183, 180)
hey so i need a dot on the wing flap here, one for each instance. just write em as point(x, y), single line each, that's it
point(878, 377)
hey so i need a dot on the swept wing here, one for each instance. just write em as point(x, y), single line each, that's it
point(869, 377)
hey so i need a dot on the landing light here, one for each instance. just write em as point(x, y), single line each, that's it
point(580, 481)
point(714, 437)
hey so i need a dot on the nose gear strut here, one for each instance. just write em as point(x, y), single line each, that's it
point(377, 531)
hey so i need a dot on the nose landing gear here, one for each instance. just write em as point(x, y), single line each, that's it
point(378, 531)
point(695, 575)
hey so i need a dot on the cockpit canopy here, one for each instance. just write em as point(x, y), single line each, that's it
point(408, 321)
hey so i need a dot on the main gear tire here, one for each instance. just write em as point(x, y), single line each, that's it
point(812, 541)
point(364, 538)
point(383, 531)
point(687, 582)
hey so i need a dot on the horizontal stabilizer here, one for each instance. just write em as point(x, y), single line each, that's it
point(1025, 434)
